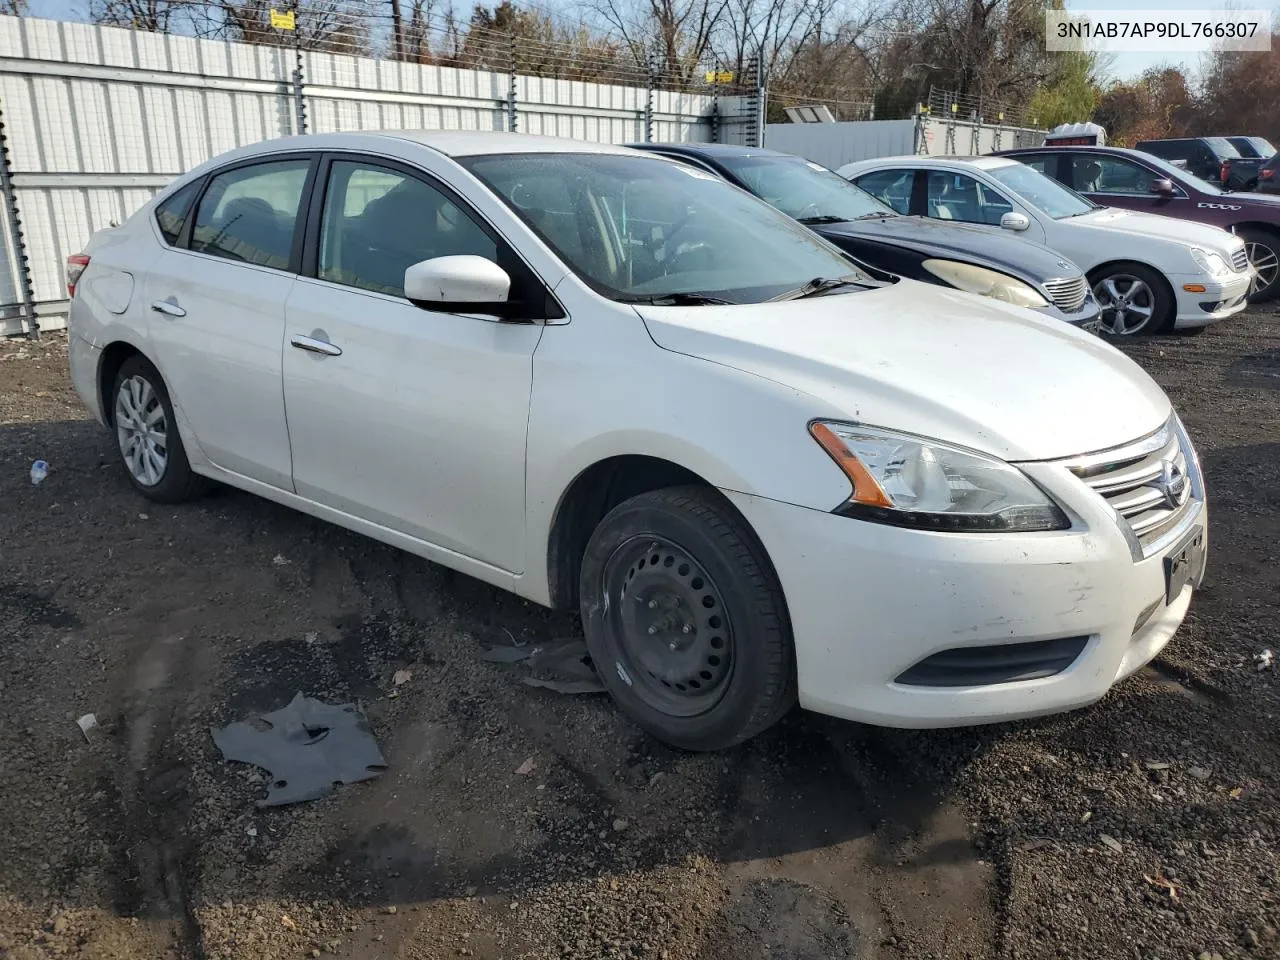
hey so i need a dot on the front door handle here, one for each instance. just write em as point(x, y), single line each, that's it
point(315, 346)
point(168, 307)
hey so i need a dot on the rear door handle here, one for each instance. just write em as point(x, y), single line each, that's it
point(168, 307)
point(315, 346)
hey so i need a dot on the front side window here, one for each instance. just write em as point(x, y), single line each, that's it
point(957, 196)
point(171, 212)
point(378, 222)
point(1041, 192)
point(804, 190)
point(250, 214)
point(639, 229)
point(1101, 174)
point(890, 187)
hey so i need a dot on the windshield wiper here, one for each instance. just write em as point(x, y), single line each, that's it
point(878, 216)
point(815, 287)
point(679, 300)
point(823, 218)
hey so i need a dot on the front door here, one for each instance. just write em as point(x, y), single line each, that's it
point(1121, 182)
point(410, 419)
point(216, 316)
point(965, 199)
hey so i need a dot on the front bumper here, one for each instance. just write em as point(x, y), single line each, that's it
point(1221, 298)
point(1087, 318)
point(868, 602)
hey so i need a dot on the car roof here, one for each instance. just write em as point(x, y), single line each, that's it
point(712, 150)
point(940, 160)
point(1067, 147)
point(453, 143)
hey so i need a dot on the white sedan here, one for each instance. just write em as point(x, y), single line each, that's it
point(608, 382)
point(1149, 273)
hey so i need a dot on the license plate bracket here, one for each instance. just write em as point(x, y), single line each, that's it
point(1184, 564)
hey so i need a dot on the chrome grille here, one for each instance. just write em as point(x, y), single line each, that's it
point(1239, 260)
point(1150, 484)
point(1068, 294)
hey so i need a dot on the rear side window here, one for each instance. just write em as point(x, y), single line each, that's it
point(889, 186)
point(171, 213)
point(250, 214)
point(1046, 163)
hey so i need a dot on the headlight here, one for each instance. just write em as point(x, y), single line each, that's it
point(988, 283)
point(913, 482)
point(1210, 262)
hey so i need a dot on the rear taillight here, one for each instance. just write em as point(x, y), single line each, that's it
point(75, 267)
point(1224, 171)
point(1266, 174)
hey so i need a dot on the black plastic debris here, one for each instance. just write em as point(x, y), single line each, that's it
point(560, 665)
point(308, 748)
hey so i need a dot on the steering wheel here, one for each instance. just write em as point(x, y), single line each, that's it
point(681, 258)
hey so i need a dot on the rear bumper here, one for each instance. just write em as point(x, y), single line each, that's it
point(85, 359)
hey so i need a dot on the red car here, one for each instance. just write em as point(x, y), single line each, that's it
point(1135, 180)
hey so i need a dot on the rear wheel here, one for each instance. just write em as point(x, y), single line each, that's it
point(1134, 299)
point(1263, 248)
point(685, 619)
point(147, 435)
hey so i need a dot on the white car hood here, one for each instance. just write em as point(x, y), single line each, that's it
point(1202, 235)
point(931, 361)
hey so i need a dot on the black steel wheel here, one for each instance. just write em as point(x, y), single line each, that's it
point(685, 619)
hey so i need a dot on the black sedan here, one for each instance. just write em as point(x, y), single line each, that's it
point(949, 254)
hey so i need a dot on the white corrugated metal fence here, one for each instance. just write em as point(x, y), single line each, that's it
point(99, 118)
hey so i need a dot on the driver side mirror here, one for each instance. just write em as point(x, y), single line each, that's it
point(460, 284)
point(1015, 221)
point(1163, 186)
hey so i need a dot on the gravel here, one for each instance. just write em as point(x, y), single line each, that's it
point(518, 823)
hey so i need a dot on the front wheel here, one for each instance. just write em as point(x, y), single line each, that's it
point(1134, 299)
point(685, 619)
point(1263, 249)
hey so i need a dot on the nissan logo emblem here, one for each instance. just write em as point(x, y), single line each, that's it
point(1172, 483)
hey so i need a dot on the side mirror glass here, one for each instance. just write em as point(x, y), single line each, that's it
point(1015, 221)
point(1162, 186)
point(459, 284)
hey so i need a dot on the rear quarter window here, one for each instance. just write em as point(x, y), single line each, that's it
point(172, 212)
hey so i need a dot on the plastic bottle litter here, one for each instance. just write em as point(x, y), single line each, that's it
point(39, 470)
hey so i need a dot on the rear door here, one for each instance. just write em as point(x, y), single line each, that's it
point(216, 305)
point(411, 419)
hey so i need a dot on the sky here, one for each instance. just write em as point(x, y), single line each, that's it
point(1123, 66)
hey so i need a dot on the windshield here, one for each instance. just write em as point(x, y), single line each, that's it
point(1261, 146)
point(1178, 175)
point(804, 190)
point(1222, 147)
point(1040, 191)
point(638, 228)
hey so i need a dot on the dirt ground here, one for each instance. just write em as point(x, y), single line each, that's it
point(520, 823)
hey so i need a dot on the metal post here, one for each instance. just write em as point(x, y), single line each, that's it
point(511, 90)
point(648, 98)
point(25, 289)
point(762, 111)
point(299, 103)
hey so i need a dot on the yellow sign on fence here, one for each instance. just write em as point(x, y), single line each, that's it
point(282, 21)
point(719, 76)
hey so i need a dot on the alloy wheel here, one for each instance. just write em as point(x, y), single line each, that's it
point(1266, 265)
point(142, 430)
point(1128, 303)
point(675, 643)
